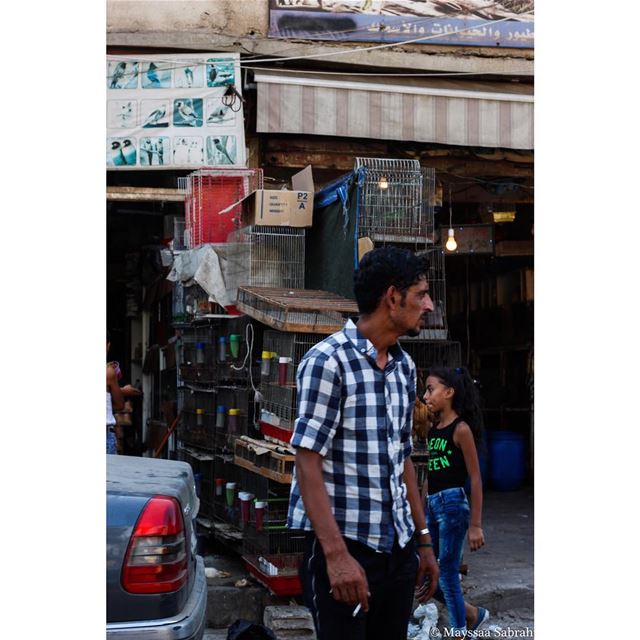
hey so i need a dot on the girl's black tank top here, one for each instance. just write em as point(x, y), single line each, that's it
point(446, 462)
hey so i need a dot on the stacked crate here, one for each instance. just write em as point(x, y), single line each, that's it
point(215, 406)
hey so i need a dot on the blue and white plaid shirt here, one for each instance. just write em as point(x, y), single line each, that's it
point(358, 418)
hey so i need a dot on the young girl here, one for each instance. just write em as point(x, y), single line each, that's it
point(453, 456)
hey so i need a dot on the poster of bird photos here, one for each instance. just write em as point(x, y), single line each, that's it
point(174, 112)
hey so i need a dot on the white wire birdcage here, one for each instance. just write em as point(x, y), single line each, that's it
point(276, 255)
point(396, 202)
point(436, 326)
point(433, 353)
point(182, 184)
point(211, 190)
point(179, 243)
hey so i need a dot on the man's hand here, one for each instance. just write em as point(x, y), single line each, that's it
point(348, 580)
point(428, 574)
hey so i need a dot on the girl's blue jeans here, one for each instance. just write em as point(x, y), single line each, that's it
point(448, 520)
point(111, 441)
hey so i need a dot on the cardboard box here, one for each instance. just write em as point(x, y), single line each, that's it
point(281, 208)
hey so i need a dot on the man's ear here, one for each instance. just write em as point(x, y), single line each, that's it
point(392, 296)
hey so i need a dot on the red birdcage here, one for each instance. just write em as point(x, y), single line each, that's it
point(210, 191)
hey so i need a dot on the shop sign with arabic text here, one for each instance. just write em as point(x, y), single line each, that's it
point(478, 23)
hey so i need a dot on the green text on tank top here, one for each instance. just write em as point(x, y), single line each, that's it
point(446, 466)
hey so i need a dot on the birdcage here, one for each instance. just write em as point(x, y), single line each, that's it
point(298, 310)
point(178, 241)
point(433, 353)
point(292, 346)
point(276, 255)
point(225, 505)
point(436, 327)
point(196, 426)
point(278, 375)
point(396, 202)
point(279, 406)
point(202, 463)
point(273, 535)
point(264, 488)
point(209, 191)
point(279, 572)
point(198, 346)
point(196, 304)
point(213, 418)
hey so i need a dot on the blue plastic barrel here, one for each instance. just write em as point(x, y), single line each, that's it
point(506, 460)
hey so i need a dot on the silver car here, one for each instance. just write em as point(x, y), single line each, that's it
point(156, 587)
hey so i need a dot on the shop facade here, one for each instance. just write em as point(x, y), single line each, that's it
point(201, 367)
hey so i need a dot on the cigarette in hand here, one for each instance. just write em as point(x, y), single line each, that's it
point(356, 610)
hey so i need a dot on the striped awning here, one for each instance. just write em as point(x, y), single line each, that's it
point(464, 113)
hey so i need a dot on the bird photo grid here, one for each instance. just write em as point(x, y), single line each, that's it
point(172, 112)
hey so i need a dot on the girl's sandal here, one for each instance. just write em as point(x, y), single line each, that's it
point(483, 616)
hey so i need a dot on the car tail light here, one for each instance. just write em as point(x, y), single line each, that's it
point(156, 559)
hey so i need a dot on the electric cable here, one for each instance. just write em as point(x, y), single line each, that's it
point(142, 58)
point(385, 45)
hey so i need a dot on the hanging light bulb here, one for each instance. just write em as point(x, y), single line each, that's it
point(383, 183)
point(451, 244)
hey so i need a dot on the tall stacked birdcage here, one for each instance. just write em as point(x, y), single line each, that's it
point(210, 191)
point(396, 208)
point(396, 202)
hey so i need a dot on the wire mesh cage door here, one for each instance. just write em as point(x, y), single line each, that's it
point(276, 256)
point(286, 345)
point(396, 202)
point(209, 191)
point(436, 327)
point(432, 353)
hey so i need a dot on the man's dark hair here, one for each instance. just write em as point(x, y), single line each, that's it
point(382, 268)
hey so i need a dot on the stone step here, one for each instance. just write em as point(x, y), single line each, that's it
point(290, 622)
point(233, 594)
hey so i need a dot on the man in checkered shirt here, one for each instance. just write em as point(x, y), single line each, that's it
point(354, 490)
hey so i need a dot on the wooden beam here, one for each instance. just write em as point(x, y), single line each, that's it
point(514, 248)
point(320, 144)
point(478, 168)
point(144, 194)
point(345, 162)
point(357, 147)
point(318, 160)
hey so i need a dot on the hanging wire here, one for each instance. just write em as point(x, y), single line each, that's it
point(229, 99)
point(379, 46)
point(155, 59)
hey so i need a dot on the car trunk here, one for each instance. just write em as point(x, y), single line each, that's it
point(131, 483)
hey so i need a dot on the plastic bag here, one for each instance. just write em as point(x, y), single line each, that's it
point(245, 630)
